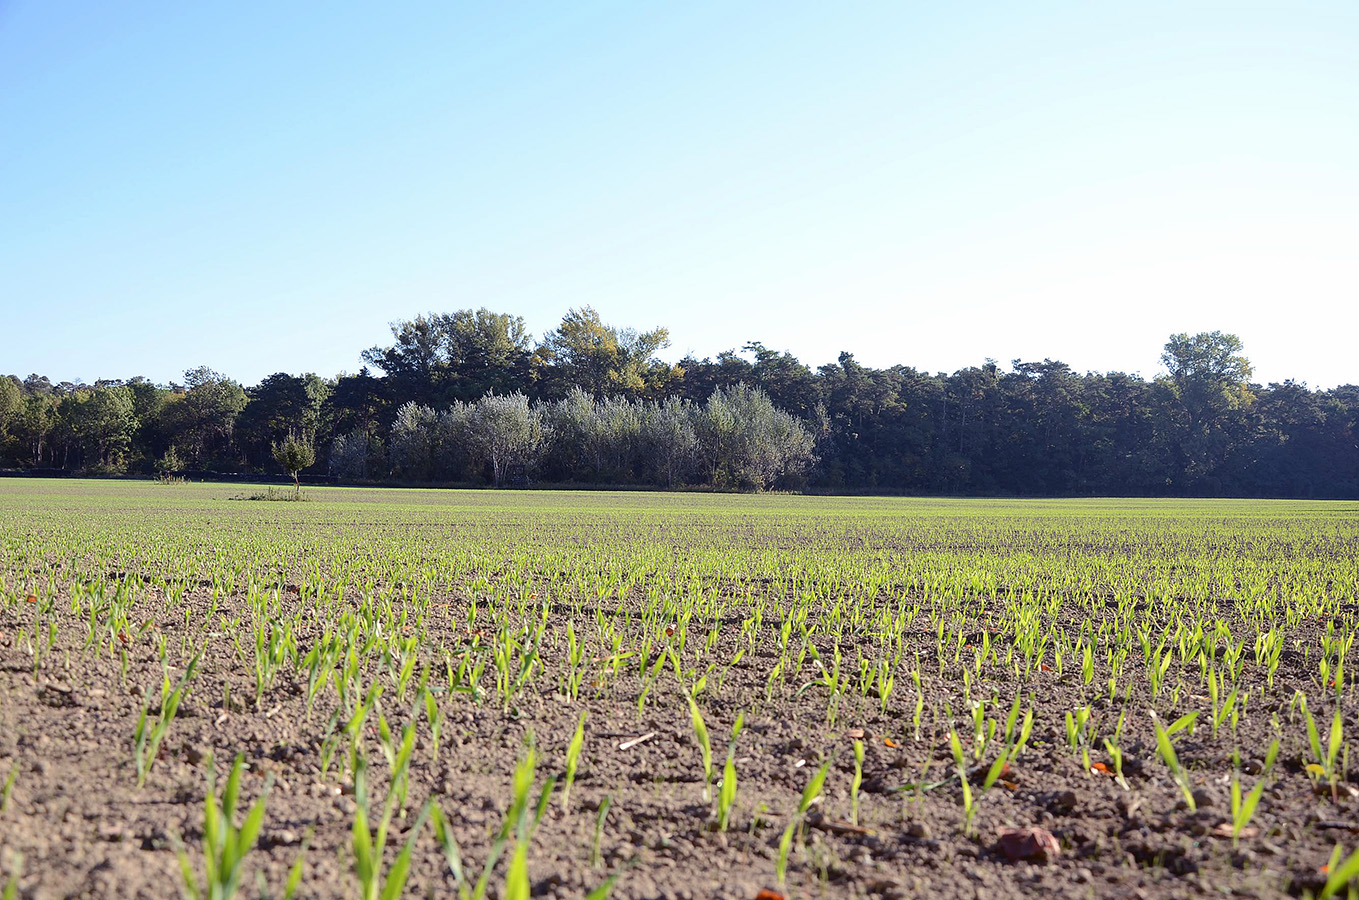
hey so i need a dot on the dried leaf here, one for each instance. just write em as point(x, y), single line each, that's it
point(1101, 769)
point(855, 733)
point(891, 743)
point(767, 894)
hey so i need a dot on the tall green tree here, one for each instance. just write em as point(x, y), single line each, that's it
point(201, 420)
point(1206, 390)
point(105, 425)
point(486, 352)
point(603, 360)
point(294, 454)
point(11, 402)
point(505, 431)
point(280, 405)
point(416, 365)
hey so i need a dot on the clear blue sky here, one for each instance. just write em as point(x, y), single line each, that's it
point(265, 186)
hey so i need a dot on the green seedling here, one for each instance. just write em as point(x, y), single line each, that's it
point(1116, 757)
point(726, 797)
point(1340, 873)
point(856, 782)
point(595, 840)
point(147, 738)
point(294, 880)
point(368, 845)
point(398, 755)
point(573, 759)
point(8, 789)
point(605, 888)
point(225, 844)
point(1327, 764)
point(809, 796)
point(960, 764)
point(1166, 749)
point(1243, 808)
point(704, 746)
point(11, 891)
point(435, 717)
point(515, 832)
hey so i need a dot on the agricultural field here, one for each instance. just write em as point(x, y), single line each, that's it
point(383, 693)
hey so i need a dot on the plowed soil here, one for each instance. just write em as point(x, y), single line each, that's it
point(76, 824)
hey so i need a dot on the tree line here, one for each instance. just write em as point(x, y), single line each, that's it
point(471, 396)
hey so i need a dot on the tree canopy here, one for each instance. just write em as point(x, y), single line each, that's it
point(470, 395)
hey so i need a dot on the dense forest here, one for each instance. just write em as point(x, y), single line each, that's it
point(470, 396)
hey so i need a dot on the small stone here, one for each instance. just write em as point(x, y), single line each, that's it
point(1034, 844)
point(1203, 798)
point(920, 831)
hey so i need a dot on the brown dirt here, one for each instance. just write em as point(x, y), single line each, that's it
point(83, 829)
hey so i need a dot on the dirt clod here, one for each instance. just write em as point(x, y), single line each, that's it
point(1030, 844)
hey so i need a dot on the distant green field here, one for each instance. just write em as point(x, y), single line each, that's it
point(590, 542)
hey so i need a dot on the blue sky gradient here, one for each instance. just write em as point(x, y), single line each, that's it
point(263, 187)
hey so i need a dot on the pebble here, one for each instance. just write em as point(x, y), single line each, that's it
point(1203, 798)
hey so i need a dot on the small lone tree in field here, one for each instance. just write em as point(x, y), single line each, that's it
point(294, 455)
